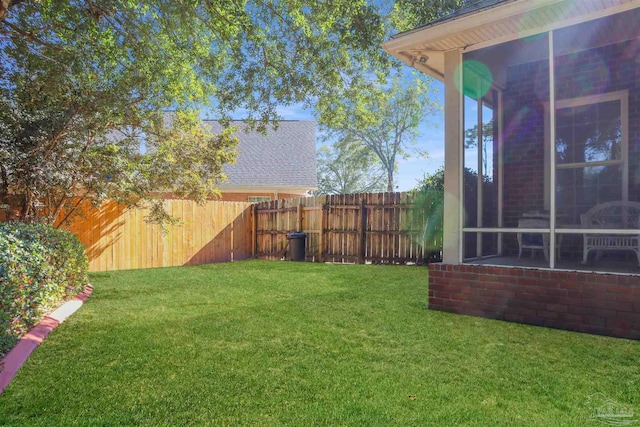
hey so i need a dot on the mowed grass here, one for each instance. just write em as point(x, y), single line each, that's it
point(274, 343)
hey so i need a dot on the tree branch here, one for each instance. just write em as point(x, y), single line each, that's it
point(4, 188)
point(29, 35)
point(58, 135)
point(4, 192)
point(71, 211)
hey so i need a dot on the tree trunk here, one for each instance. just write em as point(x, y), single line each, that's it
point(4, 193)
point(57, 210)
point(71, 211)
point(390, 180)
point(26, 206)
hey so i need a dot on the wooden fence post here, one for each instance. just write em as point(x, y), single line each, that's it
point(321, 239)
point(299, 213)
point(254, 229)
point(363, 231)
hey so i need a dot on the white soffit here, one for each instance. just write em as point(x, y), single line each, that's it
point(498, 24)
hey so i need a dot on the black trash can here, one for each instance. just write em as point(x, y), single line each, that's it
point(296, 245)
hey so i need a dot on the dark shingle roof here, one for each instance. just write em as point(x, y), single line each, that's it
point(285, 157)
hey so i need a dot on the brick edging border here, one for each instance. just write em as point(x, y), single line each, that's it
point(14, 360)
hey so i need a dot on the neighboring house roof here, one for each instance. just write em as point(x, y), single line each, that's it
point(283, 158)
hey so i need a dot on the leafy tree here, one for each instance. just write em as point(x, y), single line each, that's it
point(432, 182)
point(348, 167)
point(409, 14)
point(84, 82)
point(386, 119)
point(430, 198)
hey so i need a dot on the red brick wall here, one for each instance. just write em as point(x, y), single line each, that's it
point(605, 304)
point(524, 136)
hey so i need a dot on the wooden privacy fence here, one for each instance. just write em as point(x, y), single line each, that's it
point(351, 228)
point(117, 237)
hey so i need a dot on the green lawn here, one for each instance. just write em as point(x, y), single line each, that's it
point(274, 343)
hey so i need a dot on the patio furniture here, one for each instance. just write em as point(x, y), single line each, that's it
point(619, 215)
point(535, 241)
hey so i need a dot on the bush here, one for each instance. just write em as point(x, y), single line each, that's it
point(39, 268)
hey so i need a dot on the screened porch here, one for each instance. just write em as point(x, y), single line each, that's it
point(550, 167)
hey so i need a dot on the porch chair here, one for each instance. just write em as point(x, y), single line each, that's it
point(621, 215)
point(535, 240)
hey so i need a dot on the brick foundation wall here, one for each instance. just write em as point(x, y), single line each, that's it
point(604, 304)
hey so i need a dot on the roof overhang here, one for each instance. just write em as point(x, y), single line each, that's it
point(423, 48)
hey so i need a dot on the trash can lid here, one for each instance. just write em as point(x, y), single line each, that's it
point(296, 235)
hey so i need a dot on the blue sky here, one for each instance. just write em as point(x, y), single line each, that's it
point(413, 169)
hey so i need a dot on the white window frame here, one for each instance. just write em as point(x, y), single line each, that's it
point(549, 148)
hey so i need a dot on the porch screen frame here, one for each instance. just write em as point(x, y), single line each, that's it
point(499, 116)
point(497, 119)
point(550, 152)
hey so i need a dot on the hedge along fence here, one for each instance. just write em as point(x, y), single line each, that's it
point(39, 268)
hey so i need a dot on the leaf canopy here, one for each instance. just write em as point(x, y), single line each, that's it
point(85, 82)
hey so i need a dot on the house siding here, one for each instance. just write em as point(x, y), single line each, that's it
point(243, 197)
point(603, 304)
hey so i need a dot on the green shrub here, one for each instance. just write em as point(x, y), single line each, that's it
point(39, 268)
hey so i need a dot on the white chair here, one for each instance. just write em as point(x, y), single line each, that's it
point(621, 215)
point(536, 241)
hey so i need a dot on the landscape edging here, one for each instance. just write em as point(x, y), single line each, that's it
point(19, 354)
